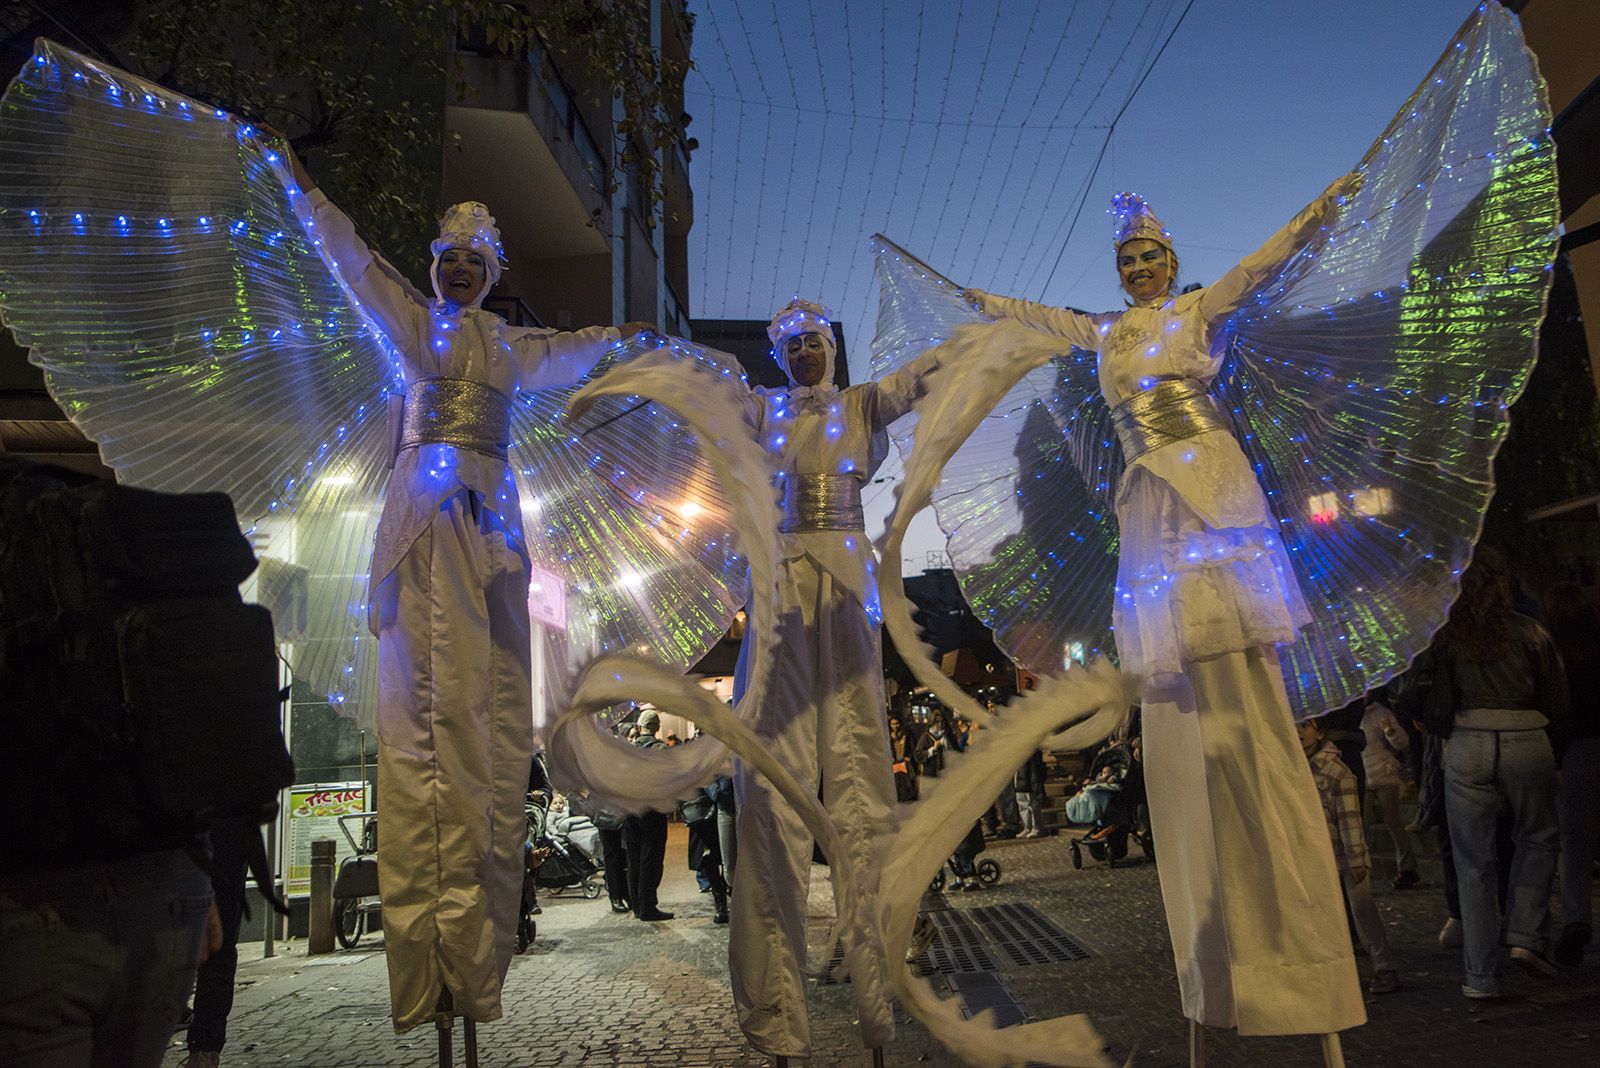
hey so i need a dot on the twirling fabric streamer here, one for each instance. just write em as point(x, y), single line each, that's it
point(1089, 702)
point(614, 679)
point(627, 778)
point(155, 258)
point(1368, 385)
point(621, 776)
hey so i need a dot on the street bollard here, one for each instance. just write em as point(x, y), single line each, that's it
point(320, 935)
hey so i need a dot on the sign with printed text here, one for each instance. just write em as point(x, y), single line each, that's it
point(547, 598)
point(313, 812)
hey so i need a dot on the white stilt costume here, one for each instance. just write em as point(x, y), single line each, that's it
point(258, 356)
point(1297, 459)
point(1204, 594)
point(824, 713)
point(450, 608)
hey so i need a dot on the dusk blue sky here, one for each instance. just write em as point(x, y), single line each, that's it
point(967, 132)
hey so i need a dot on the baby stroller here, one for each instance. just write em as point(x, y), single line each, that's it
point(969, 875)
point(556, 862)
point(1110, 801)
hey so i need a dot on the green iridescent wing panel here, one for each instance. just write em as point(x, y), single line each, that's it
point(1370, 384)
point(1025, 503)
point(153, 262)
point(622, 509)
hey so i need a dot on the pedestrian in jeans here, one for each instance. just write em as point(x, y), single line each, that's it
point(1496, 684)
point(1029, 784)
point(1336, 787)
point(231, 840)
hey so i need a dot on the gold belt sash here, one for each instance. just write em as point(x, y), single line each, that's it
point(456, 411)
point(1168, 411)
point(821, 502)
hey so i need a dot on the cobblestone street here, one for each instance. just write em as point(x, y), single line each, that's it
point(601, 989)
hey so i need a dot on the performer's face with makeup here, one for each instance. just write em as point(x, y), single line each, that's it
point(462, 274)
point(1145, 268)
point(807, 357)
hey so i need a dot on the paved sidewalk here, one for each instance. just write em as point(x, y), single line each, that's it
point(600, 989)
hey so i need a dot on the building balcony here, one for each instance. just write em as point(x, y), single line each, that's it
point(515, 140)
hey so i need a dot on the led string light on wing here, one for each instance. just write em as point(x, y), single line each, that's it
point(1371, 422)
point(238, 361)
point(230, 320)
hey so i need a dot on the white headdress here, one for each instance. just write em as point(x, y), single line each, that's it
point(803, 317)
point(469, 225)
point(1135, 220)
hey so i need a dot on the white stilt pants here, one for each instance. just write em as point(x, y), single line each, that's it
point(1246, 864)
point(455, 740)
point(824, 719)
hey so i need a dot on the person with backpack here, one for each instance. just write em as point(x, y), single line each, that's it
point(134, 673)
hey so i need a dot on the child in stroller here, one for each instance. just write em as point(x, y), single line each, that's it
point(561, 852)
point(1110, 802)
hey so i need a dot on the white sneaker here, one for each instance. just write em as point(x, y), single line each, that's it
point(1534, 963)
point(1450, 934)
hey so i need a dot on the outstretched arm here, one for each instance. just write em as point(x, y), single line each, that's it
point(1082, 331)
point(905, 385)
point(382, 291)
point(550, 359)
point(1225, 296)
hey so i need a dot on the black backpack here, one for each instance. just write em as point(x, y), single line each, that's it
point(139, 694)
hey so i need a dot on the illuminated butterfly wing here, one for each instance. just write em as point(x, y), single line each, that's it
point(1370, 384)
point(623, 512)
point(1025, 502)
point(154, 262)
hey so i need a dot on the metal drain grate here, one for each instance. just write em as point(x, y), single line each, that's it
point(1023, 935)
point(987, 990)
point(986, 939)
point(370, 1011)
point(833, 971)
point(958, 946)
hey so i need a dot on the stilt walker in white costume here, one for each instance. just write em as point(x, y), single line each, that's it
point(810, 716)
point(450, 610)
point(1205, 594)
point(214, 324)
point(823, 715)
point(1297, 462)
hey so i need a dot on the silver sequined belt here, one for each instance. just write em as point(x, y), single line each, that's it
point(821, 502)
point(457, 411)
point(1168, 411)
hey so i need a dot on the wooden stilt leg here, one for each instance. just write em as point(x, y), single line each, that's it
point(1332, 1051)
point(877, 1057)
point(469, 1034)
point(1197, 1051)
point(780, 1061)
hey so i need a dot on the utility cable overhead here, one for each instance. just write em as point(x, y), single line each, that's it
point(909, 120)
point(987, 152)
point(818, 171)
point(1033, 175)
point(960, 156)
point(1109, 134)
point(939, 110)
point(1116, 65)
point(916, 84)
